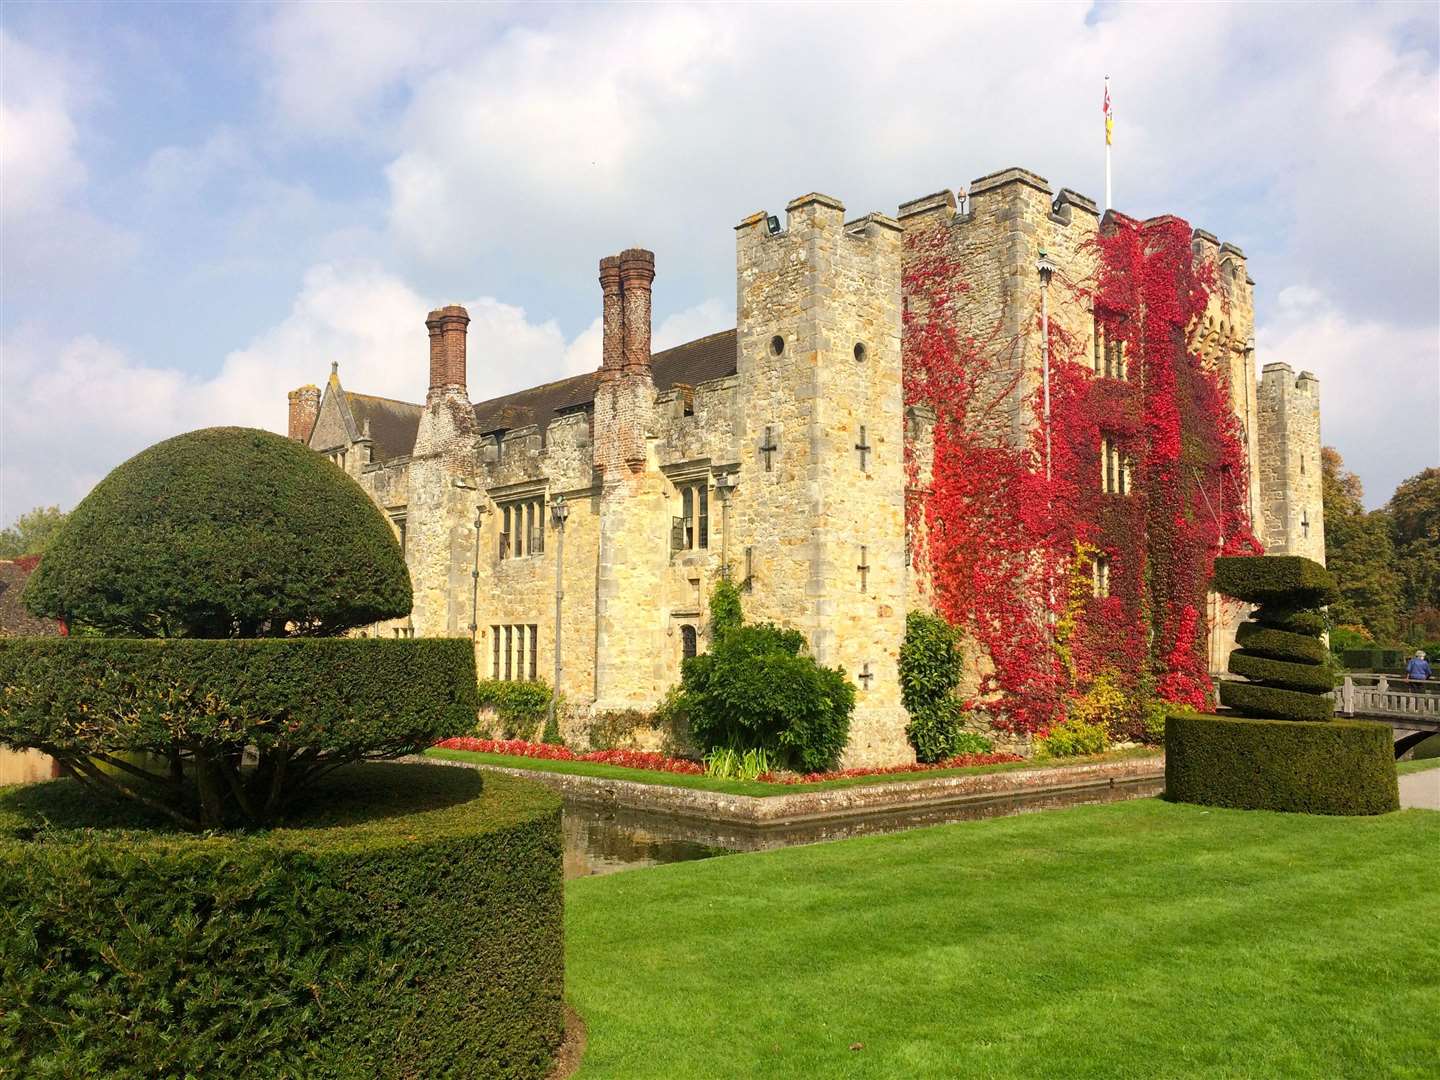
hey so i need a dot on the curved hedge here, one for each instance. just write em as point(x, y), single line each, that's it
point(1332, 767)
point(422, 939)
point(303, 705)
point(1284, 674)
point(224, 532)
point(1274, 703)
point(1281, 644)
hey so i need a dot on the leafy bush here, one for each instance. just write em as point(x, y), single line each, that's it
point(1280, 644)
point(725, 612)
point(303, 706)
point(520, 706)
point(727, 763)
point(1332, 767)
point(413, 928)
point(225, 532)
point(1074, 737)
point(930, 669)
point(755, 690)
point(1287, 675)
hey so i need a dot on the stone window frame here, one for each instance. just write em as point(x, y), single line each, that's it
point(1110, 360)
point(1100, 576)
point(530, 504)
point(1115, 467)
point(692, 530)
point(689, 641)
point(399, 516)
point(514, 652)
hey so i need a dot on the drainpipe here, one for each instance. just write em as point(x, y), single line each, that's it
point(475, 574)
point(559, 511)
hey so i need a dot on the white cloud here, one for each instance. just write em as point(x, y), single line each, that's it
point(37, 135)
point(1379, 385)
point(72, 410)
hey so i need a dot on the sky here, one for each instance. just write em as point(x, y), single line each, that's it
point(203, 206)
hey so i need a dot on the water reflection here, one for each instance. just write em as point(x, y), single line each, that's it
point(601, 839)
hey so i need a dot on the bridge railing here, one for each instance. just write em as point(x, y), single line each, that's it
point(1384, 695)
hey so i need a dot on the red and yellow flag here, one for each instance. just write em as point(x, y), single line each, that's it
point(1109, 116)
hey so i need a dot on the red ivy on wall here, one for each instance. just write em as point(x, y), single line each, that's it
point(1009, 553)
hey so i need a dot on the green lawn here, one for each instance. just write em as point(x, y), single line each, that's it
point(753, 787)
point(1141, 939)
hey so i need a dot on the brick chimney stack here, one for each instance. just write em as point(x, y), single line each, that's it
point(304, 411)
point(613, 318)
point(637, 271)
point(447, 346)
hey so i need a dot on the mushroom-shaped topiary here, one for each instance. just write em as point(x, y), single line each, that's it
point(204, 539)
point(224, 532)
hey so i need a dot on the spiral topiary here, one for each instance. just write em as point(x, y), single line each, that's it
point(1281, 656)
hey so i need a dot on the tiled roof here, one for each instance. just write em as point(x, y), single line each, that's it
point(393, 423)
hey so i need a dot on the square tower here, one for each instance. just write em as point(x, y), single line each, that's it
point(822, 447)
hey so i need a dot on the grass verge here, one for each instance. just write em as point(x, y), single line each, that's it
point(1140, 939)
point(1403, 767)
point(755, 787)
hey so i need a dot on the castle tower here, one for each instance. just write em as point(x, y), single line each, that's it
point(821, 447)
point(304, 404)
point(629, 621)
point(1292, 519)
point(441, 515)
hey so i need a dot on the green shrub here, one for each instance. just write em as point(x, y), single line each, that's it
point(225, 532)
point(1379, 659)
point(1297, 620)
point(727, 763)
point(303, 705)
point(1334, 767)
point(1074, 737)
point(725, 612)
point(1280, 644)
point(1283, 580)
point(1272, 702)
point(755, 690)
point(412, 929)
point(930, 669)
point(1285, 674)
point(520, 706)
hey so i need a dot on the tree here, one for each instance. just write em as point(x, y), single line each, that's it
point(1414, 512)
point(1359, 553)
point(203, 540)
point(31, 532)
point(219, 533)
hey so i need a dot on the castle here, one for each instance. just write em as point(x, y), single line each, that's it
point(576, 529)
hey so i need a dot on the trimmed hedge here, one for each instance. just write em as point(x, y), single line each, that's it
point(412, 928)
point(1284, 674)
point(224, 532)
point(1297, 620)
point(1274, 703)
point(1335, 767)
point(303, 704)
point(1287, 580)
point(1280, 644)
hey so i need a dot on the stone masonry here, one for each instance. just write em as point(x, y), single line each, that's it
point(775, 450)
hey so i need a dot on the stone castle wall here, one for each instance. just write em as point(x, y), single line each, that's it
point(803, 506)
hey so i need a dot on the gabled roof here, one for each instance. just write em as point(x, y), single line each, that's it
point(393, 424)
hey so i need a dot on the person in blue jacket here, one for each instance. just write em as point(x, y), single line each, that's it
point(1418, 667)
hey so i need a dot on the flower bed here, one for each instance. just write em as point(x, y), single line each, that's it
point(959, 761)
point(629, 759)
point(637, 759)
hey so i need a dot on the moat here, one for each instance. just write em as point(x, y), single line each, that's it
point(600, 839)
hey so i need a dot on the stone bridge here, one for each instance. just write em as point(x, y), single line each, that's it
point(1410, 706)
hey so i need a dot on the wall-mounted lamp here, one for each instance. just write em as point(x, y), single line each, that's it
point(773, 224)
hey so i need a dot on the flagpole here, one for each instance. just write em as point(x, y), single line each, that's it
point(1108, 121)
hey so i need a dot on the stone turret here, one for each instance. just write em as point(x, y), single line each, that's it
point(1292, 518)
point(822, 447)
